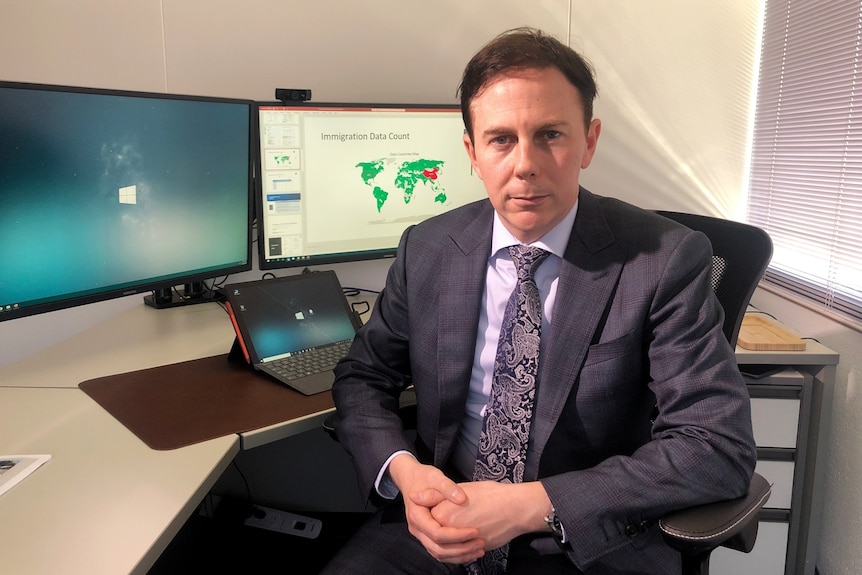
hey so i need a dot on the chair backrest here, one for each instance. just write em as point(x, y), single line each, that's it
point(740, 255)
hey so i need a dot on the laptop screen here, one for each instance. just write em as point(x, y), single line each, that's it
point(285, 315)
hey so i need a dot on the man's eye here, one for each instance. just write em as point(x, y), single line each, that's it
point(500, 140)
point(552, 135)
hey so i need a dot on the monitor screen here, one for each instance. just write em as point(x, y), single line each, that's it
point(110, 193)
point(341, 182)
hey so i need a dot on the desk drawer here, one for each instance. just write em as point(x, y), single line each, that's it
point(775, 421)
point(767, 557)
point(780, 475)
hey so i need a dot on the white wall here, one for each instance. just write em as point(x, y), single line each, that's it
point(676, 87)
point(676, 81)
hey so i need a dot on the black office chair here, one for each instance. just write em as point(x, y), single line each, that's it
point(741, 253)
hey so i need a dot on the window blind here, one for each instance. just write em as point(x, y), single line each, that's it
point(806, 166)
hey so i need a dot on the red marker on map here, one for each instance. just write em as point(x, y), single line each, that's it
point(430, 173)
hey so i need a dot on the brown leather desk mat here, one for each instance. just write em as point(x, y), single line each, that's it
point(184, 403)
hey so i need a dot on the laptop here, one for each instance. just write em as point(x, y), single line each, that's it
point(293, 328)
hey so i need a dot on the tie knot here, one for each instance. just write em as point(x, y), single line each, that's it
point(527, 260)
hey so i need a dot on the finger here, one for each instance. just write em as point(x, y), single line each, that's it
point(459, 553)
point(450, 490)
point(427, 497)
point(446, 551)
point(459, 556)
point(455, 536)
point(422, 524)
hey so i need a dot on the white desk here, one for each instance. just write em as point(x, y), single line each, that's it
point(106, 503)
point(138, 338)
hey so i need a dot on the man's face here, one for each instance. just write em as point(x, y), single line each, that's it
point(529, 147)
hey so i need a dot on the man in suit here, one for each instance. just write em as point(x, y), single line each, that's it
point(638, 408)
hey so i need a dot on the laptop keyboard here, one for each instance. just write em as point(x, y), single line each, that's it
point(309, 362)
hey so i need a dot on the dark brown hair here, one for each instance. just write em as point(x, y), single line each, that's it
point(523, 49)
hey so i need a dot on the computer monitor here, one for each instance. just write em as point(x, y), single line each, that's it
point(107, 193)
point(341, 182)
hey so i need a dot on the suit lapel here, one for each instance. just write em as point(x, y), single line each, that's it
point(461, 285)
point(588, 277)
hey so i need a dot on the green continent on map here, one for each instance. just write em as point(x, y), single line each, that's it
point(370, 171)
point(381, 196)
point(408, 175)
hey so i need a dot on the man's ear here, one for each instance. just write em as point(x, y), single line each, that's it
point(592, 141)
point(471, 153)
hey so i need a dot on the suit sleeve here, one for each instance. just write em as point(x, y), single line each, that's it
point(700, 447)
point(370, 379)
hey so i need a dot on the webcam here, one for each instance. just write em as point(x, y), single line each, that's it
point(286, 95)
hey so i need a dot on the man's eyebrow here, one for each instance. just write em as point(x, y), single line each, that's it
point(551, 125)
point(496, 131)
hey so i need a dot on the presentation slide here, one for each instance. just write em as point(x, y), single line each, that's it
point(346, 179)
point(383, 180)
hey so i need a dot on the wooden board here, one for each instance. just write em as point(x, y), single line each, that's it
point(759, 333)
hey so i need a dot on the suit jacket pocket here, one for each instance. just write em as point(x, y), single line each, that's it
point(609, 350)
point(612, 369)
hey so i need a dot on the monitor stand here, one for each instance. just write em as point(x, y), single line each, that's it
point(191, 294)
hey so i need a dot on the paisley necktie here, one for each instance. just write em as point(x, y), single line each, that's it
point(506, 425)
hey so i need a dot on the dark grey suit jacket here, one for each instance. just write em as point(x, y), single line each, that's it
point(636, 325)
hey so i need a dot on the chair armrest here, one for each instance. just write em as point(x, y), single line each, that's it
point(731, 523)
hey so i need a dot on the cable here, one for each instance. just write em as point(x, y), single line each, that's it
point(355, 291)
point(244, 480)
point(216, 284)
point(355, 307)
point(761, 312)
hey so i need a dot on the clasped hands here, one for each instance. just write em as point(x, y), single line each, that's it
point(458, 522)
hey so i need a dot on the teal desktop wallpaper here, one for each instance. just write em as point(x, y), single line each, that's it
point(103, 191)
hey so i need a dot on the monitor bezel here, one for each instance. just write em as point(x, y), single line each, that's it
point(147, 285)
point(330, 258)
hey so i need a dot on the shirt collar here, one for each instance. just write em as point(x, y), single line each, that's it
point(555, 241)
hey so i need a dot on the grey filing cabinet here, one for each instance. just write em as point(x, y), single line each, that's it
point(790, 413)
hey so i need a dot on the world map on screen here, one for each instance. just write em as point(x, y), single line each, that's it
point(386, 176)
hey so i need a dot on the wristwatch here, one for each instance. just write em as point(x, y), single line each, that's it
point(554, 523)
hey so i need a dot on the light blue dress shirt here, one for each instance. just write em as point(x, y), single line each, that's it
point(499, 284)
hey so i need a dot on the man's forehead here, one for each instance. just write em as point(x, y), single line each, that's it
point(508, 118)
point(547, 79)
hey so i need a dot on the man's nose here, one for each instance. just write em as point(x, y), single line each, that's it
point(526, 165)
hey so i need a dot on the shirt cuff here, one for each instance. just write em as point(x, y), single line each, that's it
point(384, 485)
